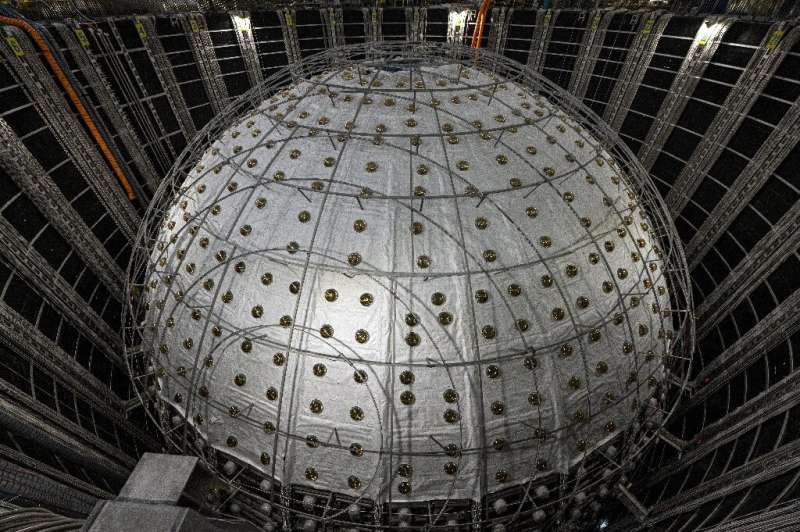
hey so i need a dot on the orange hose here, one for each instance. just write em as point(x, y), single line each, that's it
point(73, 96)
point(480, 21)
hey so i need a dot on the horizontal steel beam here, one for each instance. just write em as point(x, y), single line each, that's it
point(705, 44)
point(754, 472)
point(758, 72)
point(20, 414)
point(776, 519)
point(70, 133)
point(17, 333)
point(760, 262)
point(766, 160)
point(641, 53)
point(111, 107)
point(774, 328)
point(774, 401)
point(28, 174)
point(31, 485)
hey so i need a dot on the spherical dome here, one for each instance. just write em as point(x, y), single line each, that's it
point(407, 282)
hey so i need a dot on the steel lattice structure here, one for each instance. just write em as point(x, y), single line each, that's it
point(436, 74)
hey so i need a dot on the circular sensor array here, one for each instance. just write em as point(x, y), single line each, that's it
point(407, 282)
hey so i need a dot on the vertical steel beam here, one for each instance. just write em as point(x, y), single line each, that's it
point(244, 36)
point(641, 53)
point(415, 24)
point(337, 25)
point(499, 31)
point(133, 73)
point(593, 39)
point(287, 18)
point(457, 25)
point(76, 41)
point(768, 157)
point(29, 175)
point(155, 50)
point(373, 21)
point(196, 29)
point(703, 47)
point(758, 72)
point(330, 27)
point(47, 98)
point(542, 31)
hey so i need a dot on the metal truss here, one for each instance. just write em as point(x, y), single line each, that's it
point(778, 518)
point(29, 264)
point(758, 72)
point(133, 72)
point(769, 155)
point(703, 47)
point(29, 175)
point(651, 28)
point(290, 39)
point(55, 110)
point(759, 262)
point(16, 332)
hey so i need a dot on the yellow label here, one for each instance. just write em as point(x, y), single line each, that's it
point(289, 21)
point(82, 38)
point(774, 39)
point(193, 25)
point(547, 17)
point(702, 42)
point(140, 28)
point(13, 43)
point(595, 22)
point(648, 25)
